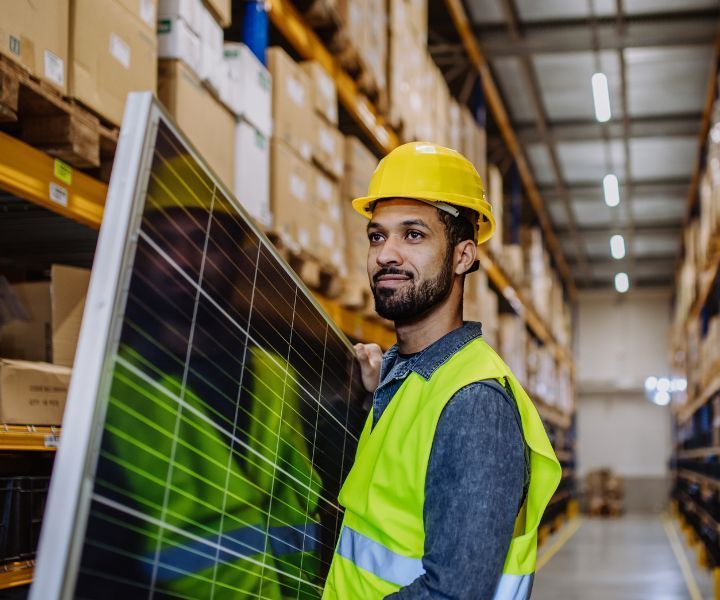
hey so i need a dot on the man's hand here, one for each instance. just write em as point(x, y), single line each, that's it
point(369, 357)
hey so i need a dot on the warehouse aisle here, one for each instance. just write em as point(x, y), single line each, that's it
point(630, 558)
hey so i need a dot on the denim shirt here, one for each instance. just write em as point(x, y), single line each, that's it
point(476, 479)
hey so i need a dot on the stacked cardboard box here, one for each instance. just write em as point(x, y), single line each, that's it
point(359, 166)
point(481, 304)
point(251, 102)
point(604, 492)
point(495, 195)
point(112, 51)
point(35, 35)
point(512, 338)
point(37, 345)
point(709, 357)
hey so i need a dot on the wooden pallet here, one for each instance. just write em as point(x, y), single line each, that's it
point(315, 273)
point(41, 116)
point(323, 17)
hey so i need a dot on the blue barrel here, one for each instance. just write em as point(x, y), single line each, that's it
point(255, 27)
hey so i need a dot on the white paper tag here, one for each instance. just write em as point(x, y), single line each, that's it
point(54, 68)
point(334, 213)
point(51, 441)
point(338, 166)
point(147, 12)
point(58, 194)
point(327, 141)
point(295, 91)
point(120, 50)
point(326, 85)
point(324, 189)
point(298, 188)
point(326, 235)
point(306, 150)
point(304, 238)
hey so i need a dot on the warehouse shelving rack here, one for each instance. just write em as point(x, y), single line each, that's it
point(39, 178)
point(696, 456)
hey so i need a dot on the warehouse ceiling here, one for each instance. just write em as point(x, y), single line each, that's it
point(657, 56)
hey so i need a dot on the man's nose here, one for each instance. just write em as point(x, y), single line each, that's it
point(389, 254)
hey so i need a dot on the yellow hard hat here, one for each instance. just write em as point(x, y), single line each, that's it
point(430, 173)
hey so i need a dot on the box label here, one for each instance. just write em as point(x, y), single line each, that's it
point(326, 235)
point(264, 80)
point(58, 194)
point(54, 68)
point(327, 141)
point(260, 140)
point(120, 50)
point(63, 171)
point(51, 441)
point(298, 187)
point(324, 190)
point(295, 91)
point(14, 45)
point(164, 26)
point(147, 12)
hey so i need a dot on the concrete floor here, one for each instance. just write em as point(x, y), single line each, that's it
point(630, 558)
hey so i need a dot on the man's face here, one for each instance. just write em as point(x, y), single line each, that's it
point(409, 262)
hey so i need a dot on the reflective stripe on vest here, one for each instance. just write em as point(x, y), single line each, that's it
point(372, 556)
point(514, 587)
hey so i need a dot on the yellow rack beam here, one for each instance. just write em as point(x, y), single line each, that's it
point(35, 176)
point(495, 103)
point(30, 437)
point(16, 574)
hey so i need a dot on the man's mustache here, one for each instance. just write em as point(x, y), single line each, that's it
point(391, 271)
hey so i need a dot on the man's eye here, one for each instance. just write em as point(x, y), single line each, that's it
point(414, 235)
point(375, 237)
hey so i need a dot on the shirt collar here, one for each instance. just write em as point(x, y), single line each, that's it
point(427, 361)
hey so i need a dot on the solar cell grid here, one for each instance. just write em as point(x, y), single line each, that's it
point(230, 415)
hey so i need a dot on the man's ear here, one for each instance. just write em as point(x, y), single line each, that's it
point(466, 255)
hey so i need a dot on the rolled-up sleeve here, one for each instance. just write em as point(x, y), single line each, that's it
point(475, 481)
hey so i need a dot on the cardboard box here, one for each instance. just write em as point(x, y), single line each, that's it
point(494, 193)
point(145, 10)
point(211, 51)
point(455, 126)
point(69, 286)
point(112, 52)
point(468, 126)
point(251, 87)
point(292, 103)
point(360, 165)
point(177, 40)
point(327, 241)
point(31, 337)
point(291, 195)
point(252, 172)
point(32, 393)
point(322, 89)
point(189, 11)
point(329, 148)
point(221, 11)
point(213, 135)
point(356, 241)
point(35, 35)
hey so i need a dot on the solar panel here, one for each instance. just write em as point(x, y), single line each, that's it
point(213, 411)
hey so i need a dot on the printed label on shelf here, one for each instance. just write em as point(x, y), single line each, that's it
point(120, 50)
point(51, 441)
point(63, 171)
point(15, 45)
point(54, 68)
point(147, 11)
point(58, 194)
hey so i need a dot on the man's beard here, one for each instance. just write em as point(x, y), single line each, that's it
point(413, 299)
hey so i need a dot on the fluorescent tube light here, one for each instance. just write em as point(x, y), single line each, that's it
point(601, 97)
point(617, 246)
point(612, 190)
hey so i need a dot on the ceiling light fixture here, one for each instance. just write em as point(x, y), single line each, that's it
point(617, 246)
point(612, 190)
point(622, 282)
point(601, 97)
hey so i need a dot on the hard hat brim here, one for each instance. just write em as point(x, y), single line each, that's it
point(486, 226)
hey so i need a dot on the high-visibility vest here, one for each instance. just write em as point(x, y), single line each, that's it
point(240, 517)
point(382, 538)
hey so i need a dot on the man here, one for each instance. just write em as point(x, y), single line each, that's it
point(453, 469)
